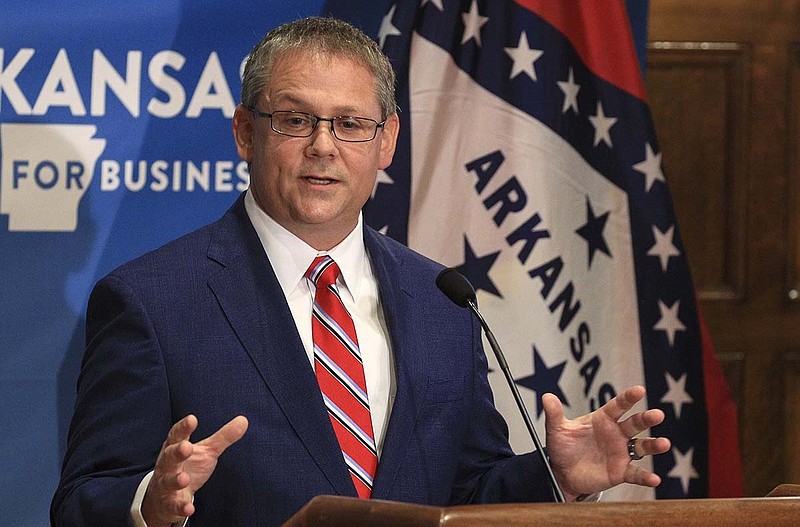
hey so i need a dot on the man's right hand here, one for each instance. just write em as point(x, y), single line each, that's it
point(183, 467)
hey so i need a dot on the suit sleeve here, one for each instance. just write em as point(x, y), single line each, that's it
point(489, 472)
point(122, 412)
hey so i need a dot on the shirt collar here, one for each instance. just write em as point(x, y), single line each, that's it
point(290, 256)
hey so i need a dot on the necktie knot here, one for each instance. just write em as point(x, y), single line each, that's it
point(323, 271)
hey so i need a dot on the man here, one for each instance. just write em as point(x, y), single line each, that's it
point(210, 341)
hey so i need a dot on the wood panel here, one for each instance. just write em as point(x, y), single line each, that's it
point(793, 254)
point(698, 92)
point(724, 85)
point(791, 415)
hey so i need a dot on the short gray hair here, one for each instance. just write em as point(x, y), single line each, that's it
point(328, 36)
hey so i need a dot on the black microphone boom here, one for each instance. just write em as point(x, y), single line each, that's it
point(460, 291)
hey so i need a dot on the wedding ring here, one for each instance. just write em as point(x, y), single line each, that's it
point(632, 449)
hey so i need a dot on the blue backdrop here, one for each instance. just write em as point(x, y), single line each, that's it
point(114, 138)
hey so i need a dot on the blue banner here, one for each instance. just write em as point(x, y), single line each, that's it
point(114, 138)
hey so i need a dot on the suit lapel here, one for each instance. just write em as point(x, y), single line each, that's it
point(396, 298)
point(250, 295)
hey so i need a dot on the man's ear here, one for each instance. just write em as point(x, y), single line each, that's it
point(388, 138)
point(243, 123)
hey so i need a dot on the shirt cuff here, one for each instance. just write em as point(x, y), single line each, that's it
point(589, 497)
point(136, 506)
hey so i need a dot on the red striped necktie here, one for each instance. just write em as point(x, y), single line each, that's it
point(340, 373)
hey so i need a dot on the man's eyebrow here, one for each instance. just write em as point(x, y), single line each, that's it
point(288, 99)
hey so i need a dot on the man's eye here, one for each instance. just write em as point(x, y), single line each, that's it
point(296, 121)
point(349, 124)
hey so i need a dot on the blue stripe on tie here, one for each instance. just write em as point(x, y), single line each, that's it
point(323, 264)
point(348, 423)
point(356, 469)
point(340, 375)
point(335, 290)
point(326, 320)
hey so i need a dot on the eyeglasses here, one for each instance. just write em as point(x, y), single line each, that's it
point(300, 124)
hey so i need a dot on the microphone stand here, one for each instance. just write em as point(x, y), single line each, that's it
point(557, 493)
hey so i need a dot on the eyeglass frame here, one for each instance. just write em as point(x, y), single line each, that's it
point(317, 119)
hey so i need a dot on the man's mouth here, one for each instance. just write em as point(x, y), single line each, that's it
point(319, 181)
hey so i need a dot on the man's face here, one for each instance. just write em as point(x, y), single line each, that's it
point(314, 186)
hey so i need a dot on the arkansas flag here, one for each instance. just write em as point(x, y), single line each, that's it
point(527, 159)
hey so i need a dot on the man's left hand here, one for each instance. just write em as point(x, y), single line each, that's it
point(590, 453)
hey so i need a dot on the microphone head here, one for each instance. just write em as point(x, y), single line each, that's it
point(456, 286)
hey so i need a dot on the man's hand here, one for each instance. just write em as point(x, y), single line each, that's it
point(590, 453)
point(183, 467)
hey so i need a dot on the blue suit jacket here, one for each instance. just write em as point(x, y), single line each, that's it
point(201, 326)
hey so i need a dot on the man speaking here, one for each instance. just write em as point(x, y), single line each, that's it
point(287, 350)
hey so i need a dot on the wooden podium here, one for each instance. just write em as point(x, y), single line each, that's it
point(781, 508)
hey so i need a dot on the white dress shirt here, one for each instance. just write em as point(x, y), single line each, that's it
point(290, 258)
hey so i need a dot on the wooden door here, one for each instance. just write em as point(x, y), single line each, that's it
point(723, 78)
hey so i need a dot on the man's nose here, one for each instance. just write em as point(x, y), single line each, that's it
point(323, 140)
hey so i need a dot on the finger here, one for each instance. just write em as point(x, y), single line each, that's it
point(175, 450)
point(171, 477)
point(230, 433)
point(639, 476)
point(188, 509)
point(159, 507)
point(169, 462)
point(652, 446)
point(641, 421)
point(553, 411)
point(182, 430)
point(178, 507)
point(619, 405)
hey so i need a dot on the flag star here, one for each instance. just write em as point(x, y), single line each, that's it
point(676, 394)
point(663, 247)
point(437, 3)
point(592, 232)
point(383, 177)
point(683, 468)
point(602, 126)
point(524, 58)
point(387, 29)
point(570, 89)
point(669, 322)
point(650, 167)
point(473, 22)
point(544, 380)
point(476, 269)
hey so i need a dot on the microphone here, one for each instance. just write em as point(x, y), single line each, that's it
point(458, 289)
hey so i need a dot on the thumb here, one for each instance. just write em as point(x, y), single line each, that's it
point(553, 411)
point(231, 432)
